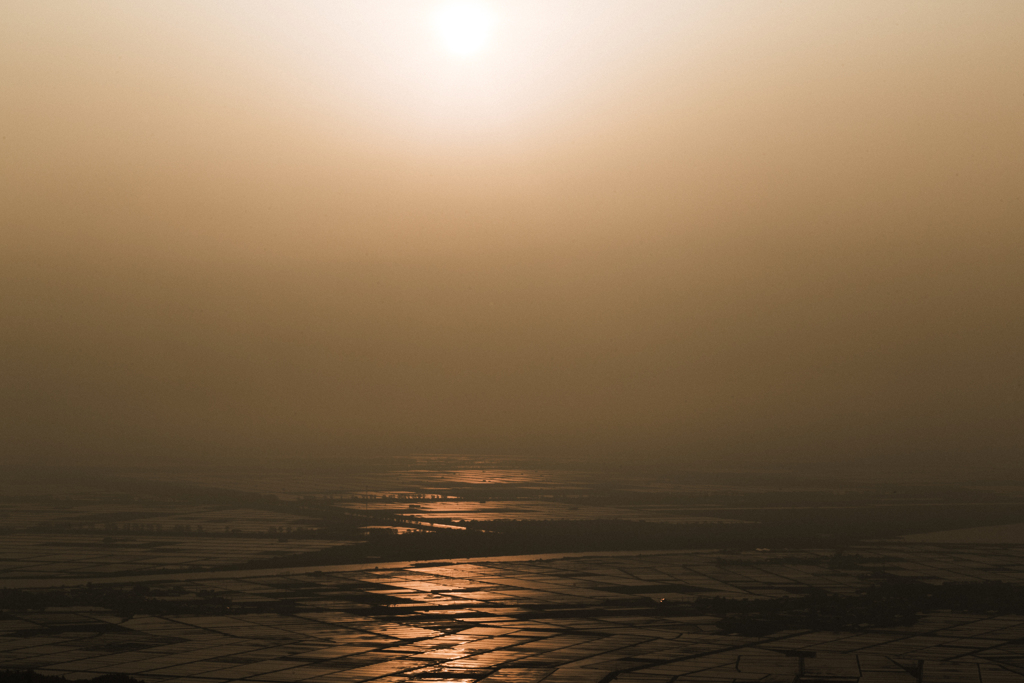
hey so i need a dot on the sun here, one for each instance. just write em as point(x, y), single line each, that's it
point(464, 28)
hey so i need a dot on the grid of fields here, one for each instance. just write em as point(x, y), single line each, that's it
point(571, 620)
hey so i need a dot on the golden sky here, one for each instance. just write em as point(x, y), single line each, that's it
point(716, 232)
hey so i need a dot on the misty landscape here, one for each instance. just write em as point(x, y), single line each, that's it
point(468, 568)
point(511, 341)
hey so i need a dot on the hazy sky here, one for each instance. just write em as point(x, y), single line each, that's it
point(718, 232)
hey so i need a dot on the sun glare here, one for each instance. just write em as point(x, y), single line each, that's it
point(465, 27)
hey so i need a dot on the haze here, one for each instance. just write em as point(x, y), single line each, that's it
point(715, 233)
